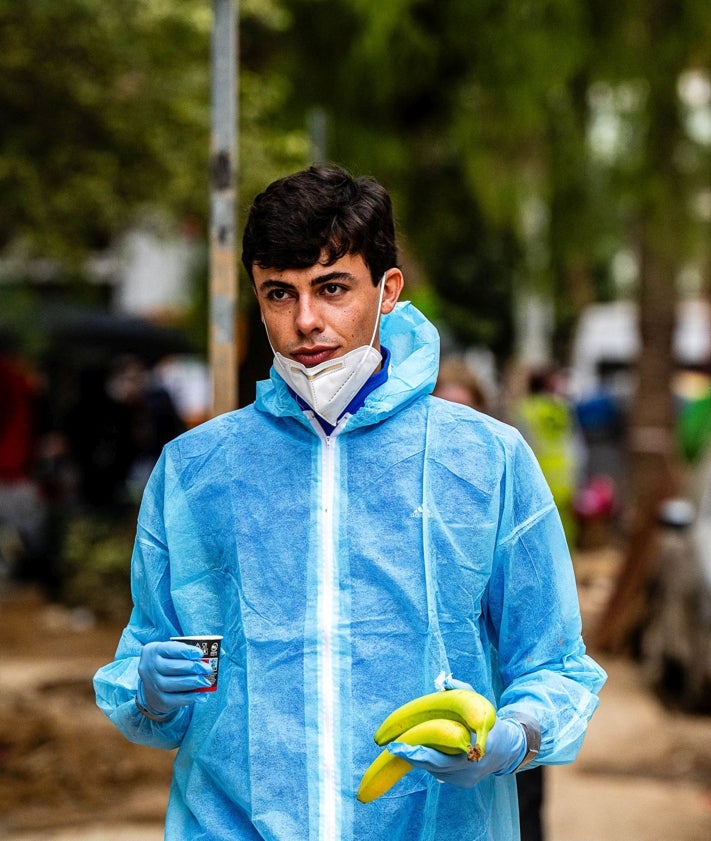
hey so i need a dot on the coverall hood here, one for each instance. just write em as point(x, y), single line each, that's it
point(414, 346)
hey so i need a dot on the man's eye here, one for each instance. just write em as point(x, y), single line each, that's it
point(276, 295)
point(332, 288)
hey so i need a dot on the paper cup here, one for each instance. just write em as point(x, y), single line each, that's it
point(209, 644)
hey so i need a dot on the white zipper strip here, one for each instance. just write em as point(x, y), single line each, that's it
point(327, 612)
point(328, 600)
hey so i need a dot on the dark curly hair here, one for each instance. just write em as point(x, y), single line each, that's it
point(322, 209)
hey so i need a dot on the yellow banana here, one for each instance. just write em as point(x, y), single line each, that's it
point(442, 734)
point(466, 706)
point(381, 775)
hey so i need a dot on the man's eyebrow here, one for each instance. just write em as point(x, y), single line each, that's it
point(272, 283)
point(329, 277)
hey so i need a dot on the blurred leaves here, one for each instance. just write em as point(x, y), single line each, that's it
point(484, 119)
point(106, 115)
point(103, 112)
point(522, 141)
point(95, 564)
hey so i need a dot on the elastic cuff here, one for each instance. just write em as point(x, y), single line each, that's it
point(144, 709)
point(532, 731)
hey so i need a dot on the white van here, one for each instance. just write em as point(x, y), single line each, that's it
point(607, 338)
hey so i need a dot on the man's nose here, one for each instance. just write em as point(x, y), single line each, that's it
point(308, 316)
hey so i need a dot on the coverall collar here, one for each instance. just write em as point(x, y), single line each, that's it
point(413, 343)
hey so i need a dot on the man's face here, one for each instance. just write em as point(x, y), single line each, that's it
point(323, 312)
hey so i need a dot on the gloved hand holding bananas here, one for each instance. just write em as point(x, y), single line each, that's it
point(169, 673)
point(434, 733)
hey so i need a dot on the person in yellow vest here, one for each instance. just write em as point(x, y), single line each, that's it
point(546, 421)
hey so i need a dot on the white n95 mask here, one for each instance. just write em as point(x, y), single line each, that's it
point(330, 386)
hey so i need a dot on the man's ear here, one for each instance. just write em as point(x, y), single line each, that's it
point(394, 282)
point(259, 305)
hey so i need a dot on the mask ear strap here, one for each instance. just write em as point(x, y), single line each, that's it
point(377, 315)
point(264, 324)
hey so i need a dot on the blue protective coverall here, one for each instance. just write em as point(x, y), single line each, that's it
point(346, 573)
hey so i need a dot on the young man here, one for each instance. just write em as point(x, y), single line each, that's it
point(353, 539)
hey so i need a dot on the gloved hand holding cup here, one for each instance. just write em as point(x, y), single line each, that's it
point(173, 674)
point(209, 645)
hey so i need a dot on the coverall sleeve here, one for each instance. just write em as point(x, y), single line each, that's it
point(534, 616)
point(153, 619)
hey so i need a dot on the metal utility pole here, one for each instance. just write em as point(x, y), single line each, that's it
point(223, 199)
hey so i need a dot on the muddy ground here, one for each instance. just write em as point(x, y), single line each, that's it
point(644, 773)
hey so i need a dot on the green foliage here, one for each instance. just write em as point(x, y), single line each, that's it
point(106, 115)
point(104, 111)
point(472, 112)
point(95, 564)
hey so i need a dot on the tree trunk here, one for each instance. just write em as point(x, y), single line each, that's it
point(653, 472)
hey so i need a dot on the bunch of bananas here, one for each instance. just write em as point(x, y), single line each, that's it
point(444, 721)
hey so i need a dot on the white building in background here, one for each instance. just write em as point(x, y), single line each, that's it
point(534, 320)
point(609, 334)
point(153, 274)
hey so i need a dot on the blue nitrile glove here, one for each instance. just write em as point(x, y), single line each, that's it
point(506, 747)
point(169, 672)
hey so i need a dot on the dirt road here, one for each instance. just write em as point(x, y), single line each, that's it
point(644, 773)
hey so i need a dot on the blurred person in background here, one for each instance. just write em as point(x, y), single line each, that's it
point(116, 431)
point(692, 399)
point(546, 420)
point(456, 381)
point(21, 504)
point(356, 542)
point(601, 418)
